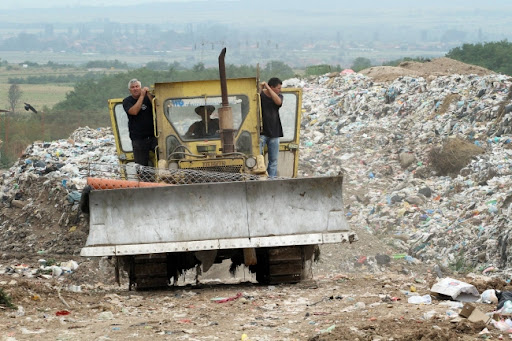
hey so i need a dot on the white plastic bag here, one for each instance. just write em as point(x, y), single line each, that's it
point(425, 299)
point(457, 290)
point(489, 296)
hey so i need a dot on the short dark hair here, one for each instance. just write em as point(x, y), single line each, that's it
point(274, 81)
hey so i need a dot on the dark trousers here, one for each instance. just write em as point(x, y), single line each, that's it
point(141, 149)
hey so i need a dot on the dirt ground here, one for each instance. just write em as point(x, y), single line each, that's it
point(435, 67)
point(353, 295)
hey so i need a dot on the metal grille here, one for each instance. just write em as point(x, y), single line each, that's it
point(220, 169)
point(134, 172)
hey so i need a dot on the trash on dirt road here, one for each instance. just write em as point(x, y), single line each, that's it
point(226, 299)
point(456, 290)
point(425, 299)
point(473, 314)
point(489, 296)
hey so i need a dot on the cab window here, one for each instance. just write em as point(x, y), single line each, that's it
point(122, 128)
point(288, 115)
point(197, 118)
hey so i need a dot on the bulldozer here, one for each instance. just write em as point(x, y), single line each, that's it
point(206, 197)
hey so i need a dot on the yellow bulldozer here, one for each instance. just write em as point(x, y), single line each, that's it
point(206, 197)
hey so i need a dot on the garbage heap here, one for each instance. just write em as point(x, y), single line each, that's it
point(40, 194)
point(387, 139)
point(385, 136)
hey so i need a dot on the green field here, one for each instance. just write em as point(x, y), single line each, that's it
point(38, 95)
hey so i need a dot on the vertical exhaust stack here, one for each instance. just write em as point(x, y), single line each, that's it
point(225, 112)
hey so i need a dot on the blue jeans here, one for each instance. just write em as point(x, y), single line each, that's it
point(273, 153)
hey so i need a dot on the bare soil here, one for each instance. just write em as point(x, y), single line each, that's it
point(435, 67)
point(352, 296)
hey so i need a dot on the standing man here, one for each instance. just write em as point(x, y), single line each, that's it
point(140, 121)
point(271, 101)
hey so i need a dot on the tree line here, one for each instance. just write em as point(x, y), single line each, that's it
point(52, 79)
point(86, 104)
point(495, 56)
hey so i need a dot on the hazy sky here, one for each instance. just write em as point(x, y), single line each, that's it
point(75, 3)
point(5, 4)
point(289, 24)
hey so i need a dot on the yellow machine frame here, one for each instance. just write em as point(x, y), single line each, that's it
point(243, 92)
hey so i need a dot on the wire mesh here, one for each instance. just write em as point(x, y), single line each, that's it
point(134, 172)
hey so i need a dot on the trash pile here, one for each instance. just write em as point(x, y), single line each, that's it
point(381, 137)
point(40, 194)
point(47, 269)
point(464, 302)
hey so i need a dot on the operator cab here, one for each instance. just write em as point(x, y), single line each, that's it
point(197, 118)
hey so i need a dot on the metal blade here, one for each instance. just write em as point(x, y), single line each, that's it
point(212, 211)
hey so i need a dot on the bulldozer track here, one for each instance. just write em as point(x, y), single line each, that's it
point(287, 264)
point(275, 265)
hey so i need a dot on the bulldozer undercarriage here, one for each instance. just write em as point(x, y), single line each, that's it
point(287, 264)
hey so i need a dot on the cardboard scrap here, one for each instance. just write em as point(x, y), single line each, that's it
point(457, 290)
point(473, 314)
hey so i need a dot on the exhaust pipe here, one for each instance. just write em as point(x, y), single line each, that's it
point(225, 113)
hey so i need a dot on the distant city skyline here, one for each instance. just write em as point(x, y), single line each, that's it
point(298, 32)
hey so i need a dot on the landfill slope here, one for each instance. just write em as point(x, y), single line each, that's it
point(378, 134)
point(40, 195)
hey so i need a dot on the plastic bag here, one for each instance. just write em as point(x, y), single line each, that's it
point(507, 308)
point(456, 290)
point(425, 299)
point(503, 296)
point(489, 296)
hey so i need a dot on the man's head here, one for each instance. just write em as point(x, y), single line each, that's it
point(275, 83)
point(202, 109)
point(134, 86)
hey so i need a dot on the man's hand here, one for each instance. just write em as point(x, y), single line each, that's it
point(145, 91)
point(270, 92)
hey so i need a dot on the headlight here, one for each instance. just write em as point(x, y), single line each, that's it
point(250, 162)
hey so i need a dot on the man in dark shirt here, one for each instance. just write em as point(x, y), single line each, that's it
point(206, 128)
point(139, 108)
point(271, 101)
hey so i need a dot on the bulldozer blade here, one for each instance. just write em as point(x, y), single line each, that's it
point(216, 216)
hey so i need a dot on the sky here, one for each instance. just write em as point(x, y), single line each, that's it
point(5, 4)
point(76, 3)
